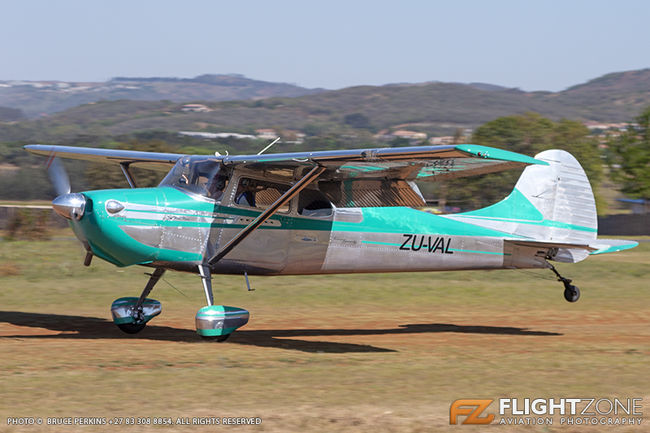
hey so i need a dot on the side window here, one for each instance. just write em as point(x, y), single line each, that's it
point(217, 186)
point(313, 203)
point(259, 194)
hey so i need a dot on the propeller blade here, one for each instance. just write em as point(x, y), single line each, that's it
point(58, 176)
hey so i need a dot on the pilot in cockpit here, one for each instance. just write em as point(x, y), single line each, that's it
point(217, 186)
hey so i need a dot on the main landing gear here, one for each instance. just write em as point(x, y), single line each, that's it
point(217, 322)
point(213, 322)
point(571, 292)
point(132, 314)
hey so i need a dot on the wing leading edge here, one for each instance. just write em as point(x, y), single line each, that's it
point(357, 177)
point(153, 160)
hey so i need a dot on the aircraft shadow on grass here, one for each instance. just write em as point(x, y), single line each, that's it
point(81, 327)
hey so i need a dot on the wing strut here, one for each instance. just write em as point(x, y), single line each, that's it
point(127, 173)
point(268, 213)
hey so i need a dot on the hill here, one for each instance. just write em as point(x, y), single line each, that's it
point(10, 114)
point(433, 108)
point(612, 97)
point(36, 98)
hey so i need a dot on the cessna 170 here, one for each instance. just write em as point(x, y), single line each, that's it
point(339, 211)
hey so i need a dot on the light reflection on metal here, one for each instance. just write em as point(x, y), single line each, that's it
point(114, 206)
point(206, 279)
point(269, 146)
point(132, 310)
point(70, 206)
point(299, 186)
point(127, 173)
point(248, 284)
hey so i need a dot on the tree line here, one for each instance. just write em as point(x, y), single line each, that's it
point(627, 156)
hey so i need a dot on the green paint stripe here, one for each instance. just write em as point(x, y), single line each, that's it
point(500, 154)
point(367, 168)
point(615, 248)
point(443, 226)
point(220, 314)
point(478, 252)
point(152, 224)
point(213, 214)
point(381, 243)
point(545, 223)
point(164, 212)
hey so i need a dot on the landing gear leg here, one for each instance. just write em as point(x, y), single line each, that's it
point(571, 292)
point(206, 279)
point(217, 322)
point(132, 314)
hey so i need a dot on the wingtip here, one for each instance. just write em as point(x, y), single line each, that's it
point(496, 153)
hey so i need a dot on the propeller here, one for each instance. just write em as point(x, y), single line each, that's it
point(58, 176)
point(69, 205)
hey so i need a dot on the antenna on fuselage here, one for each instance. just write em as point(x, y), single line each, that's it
point(269, 146)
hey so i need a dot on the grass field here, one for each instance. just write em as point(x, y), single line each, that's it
point(369, 353)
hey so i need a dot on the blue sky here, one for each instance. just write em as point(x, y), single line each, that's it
point(533, 45)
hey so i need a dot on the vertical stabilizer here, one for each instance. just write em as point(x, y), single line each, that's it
point(563, 195)
point(549, 202)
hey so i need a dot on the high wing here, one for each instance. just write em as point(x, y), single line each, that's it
point(406, 163)
point(358, 177)
point(384, 176)
point(152, 160)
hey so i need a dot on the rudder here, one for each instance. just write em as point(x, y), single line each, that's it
point(562, 193)
point(551, 202)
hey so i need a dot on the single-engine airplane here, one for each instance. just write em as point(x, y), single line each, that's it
point(342, 211)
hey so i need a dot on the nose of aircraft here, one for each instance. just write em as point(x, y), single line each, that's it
point(70, 206)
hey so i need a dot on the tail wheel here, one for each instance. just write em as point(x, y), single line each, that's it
point(571, 293)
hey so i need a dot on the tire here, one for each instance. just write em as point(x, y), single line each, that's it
point(572, 293)
point(132, 328)
point(217, 338)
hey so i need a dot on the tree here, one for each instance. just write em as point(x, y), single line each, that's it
point(628, 157)
point(529, 134)
point(357, 120)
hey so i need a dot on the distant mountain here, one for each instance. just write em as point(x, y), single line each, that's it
point(613, 97)
point(36, 98)
point(487, 86)
point(11, 114)
point(435, 108)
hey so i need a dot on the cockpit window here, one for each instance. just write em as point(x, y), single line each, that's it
point(260, 194)
point(314, 203)
point(199, 175)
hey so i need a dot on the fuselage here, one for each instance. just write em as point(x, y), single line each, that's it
point(172, 228)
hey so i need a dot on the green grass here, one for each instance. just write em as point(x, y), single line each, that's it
point(373, 353)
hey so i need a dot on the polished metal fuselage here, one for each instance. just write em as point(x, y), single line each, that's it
point(175, 229)
point(354, 244)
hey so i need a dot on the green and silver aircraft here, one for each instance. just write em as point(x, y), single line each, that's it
point(307, 213)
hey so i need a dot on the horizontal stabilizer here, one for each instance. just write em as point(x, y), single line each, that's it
point(603, 246)
point(565, 252)
point(572, 252)
point(552, 244)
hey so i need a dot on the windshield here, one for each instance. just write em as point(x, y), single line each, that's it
point(197, 174)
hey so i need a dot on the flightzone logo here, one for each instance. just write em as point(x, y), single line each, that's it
point(547, 411)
